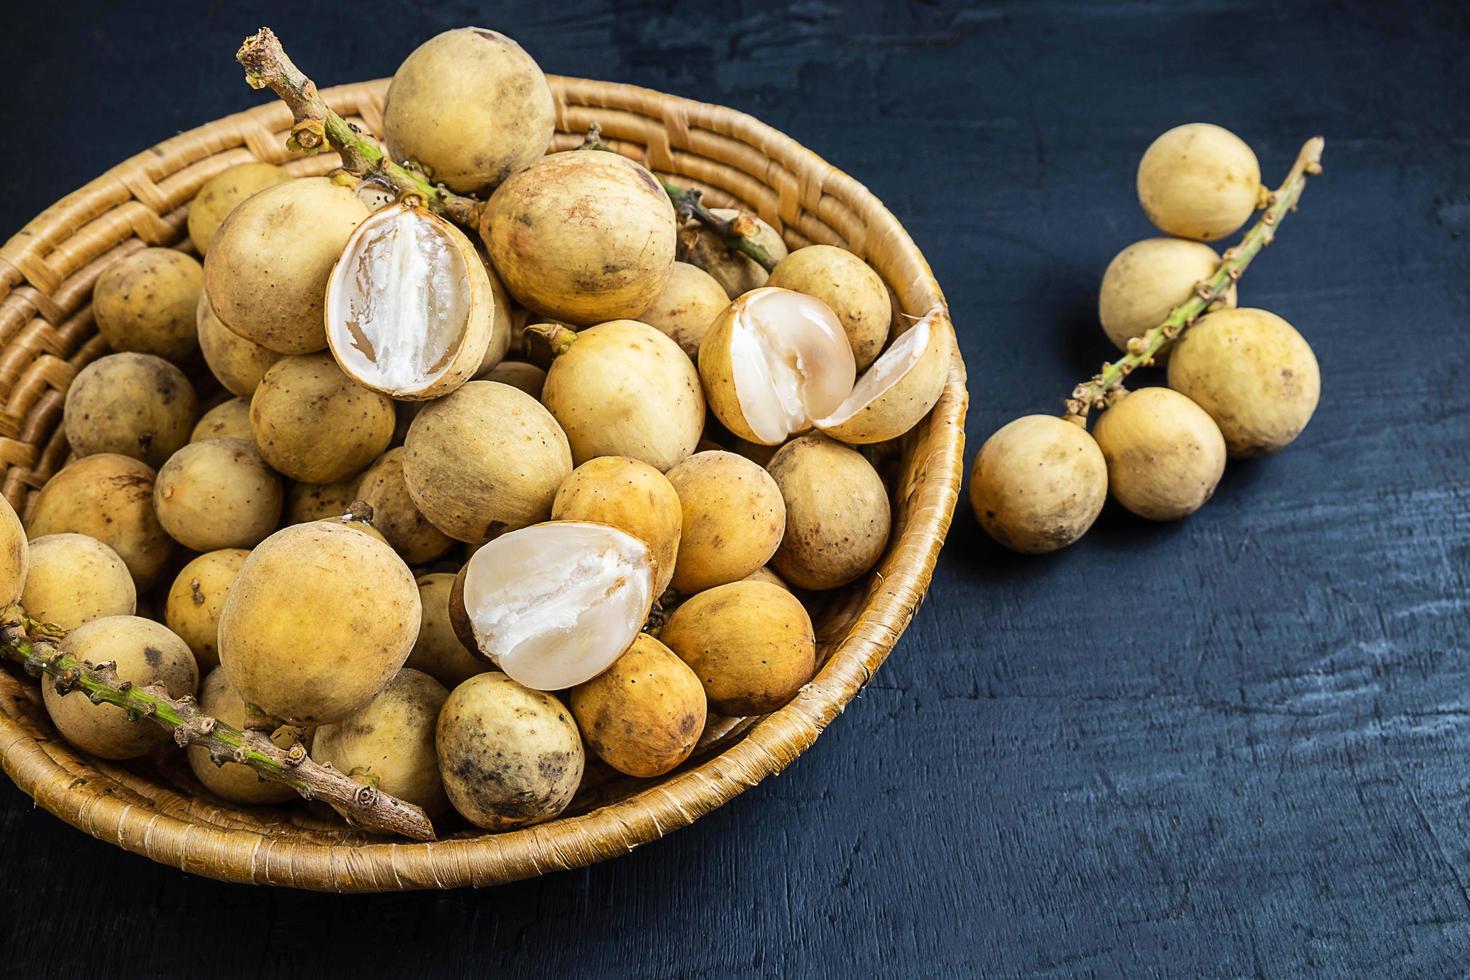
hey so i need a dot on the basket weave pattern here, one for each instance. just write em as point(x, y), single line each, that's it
point(47, 334)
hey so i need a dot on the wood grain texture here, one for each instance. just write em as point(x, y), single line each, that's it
point(1232, 746)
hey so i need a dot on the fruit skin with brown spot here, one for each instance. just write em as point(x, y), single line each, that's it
point(849, 286)
point(750, 644)
point(837, 513)
point(229, 419)
point(1144, 282)
point(733, 519)
point(319, 501)
point(1199, 181)
point(144, 303)
point(509, 756)
point(687, 306)
point(74, 579)
point(1253, 373)
point(1038, 484)
point(223, 192)
point(217, 493)
point(136, 405)
point(196, 598)
point(235, 362)
point(110, 498)
point(518, 374)
point(631, 496)
point(439, 651)
point(14, 554)
point(1165, 454)
point(233, 781)
point(644, 714)
point(395, 514)
point(313, 423)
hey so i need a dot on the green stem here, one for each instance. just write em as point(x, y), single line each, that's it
point(36, 647)
point(1095, 393)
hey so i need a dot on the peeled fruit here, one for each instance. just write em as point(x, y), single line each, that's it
point(849, 287)
point(518, 374)
point(438, 651)
point(145, 653)
point(687, 306)
point(1164, 454)
point(631, 496)
point(145, 303)
point(217, 493)
point(470, 105)
point(1146, 280)
point(196, 598)
point(750, 644)
point(227, 420)
point(236, 363)
point(624, 389)
point(1253, 373)
point(1199, 181)
point(317, 501)
point(644, 714)
point(409, 308)
point(509, 756)
point(583, 236)
point(736, 272)
point(110, 498)
point(233, 781)
point(899, 389)
point(14, 554)
point(837, 514)
point(267, 266)
point(772, 362)
point(136, 405)
point(74, 579)
point(314, 424)
point(396, 515)
point(1038, 483)
point(733, 519)
point(555, 604)
point(318, 621)
point(485, 459)
point(389, 742)
point(222, 192)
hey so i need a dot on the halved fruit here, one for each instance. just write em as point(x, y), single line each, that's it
point(773, 361)
point(899, 389)
point(555, 604)
point(409, 309)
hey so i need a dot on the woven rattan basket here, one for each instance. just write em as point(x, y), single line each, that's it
point(157, 810)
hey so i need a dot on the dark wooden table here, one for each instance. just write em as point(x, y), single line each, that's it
point(1230, 746)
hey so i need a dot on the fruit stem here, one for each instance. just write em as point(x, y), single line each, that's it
point(36, 647)
point(688, 203)
point(1094, 393)
point(267, 66)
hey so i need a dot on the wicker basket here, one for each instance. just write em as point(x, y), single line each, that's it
point(157, 810)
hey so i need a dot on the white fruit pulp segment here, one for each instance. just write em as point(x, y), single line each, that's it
point(791, 362)
point(897, 361)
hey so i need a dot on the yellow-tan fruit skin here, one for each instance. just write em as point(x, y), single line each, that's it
point(267, 266)
point(631, 496)
point(1038, 484)
point(624, 389)
point(644, 714)
point(74, 579)
point(14, 553)
point(767, 576)
point(145, 653)
point(395, 514)
point(319, 619)
point(686, 307)
point(145, 302)
point(136, 405)
point(196, 598)
point(1164, 454)
point(733, 519)
point(235, 362)
point(217, 493)
point(837, 513)
point(227, 420)
point(314, 424)
point(484, 460)
point(1199, 181)
point(232, 781)
point(472, 106)
point(502, 327)
point(1146, 280)
point(849, 286)
point(735, 272)
point(318, 501)
point(582, 236)
point(223, 192)
point(110, 498)
point(518, 374)
point(438, 651)
point(750, 644)
point(509, 756)
point(1253, 373)
point(389, 742)
point(907, 400)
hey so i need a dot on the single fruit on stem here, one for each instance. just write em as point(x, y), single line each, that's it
point(1199, 181)
point(1038, 484)
point(1146, 280)
point(1165, 455)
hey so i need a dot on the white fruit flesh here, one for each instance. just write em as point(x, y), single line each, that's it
point(398, 303)
point(554, 604)
point(900, 358)
point(791, 361)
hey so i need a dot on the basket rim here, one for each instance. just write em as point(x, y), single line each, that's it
point(255, 856)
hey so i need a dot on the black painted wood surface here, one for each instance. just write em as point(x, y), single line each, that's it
point(1230, 746)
